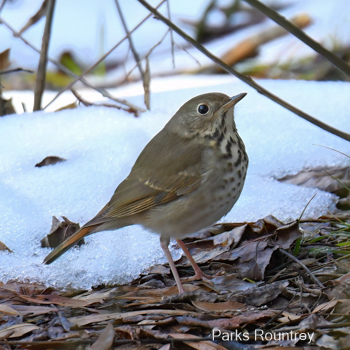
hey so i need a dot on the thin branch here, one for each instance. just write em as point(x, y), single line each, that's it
point(131, 42)
point(275, 16)
point(245, 79)
point(2, 5)
point(41, 75)
point(312, 276)
point(88, 104)
point(146, 55)
point(102, 91)
point(16, 70)
point(171, 34)
point(106, 94)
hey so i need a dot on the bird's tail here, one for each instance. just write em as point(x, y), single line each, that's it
point(68, 243)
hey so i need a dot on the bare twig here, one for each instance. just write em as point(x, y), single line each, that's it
point(171, 34)
point(131, 42)
point(312, 276)
point(2, 5)
point(145, 56)
point(106, 94)
point(88, 104)
point(331, 57)
point(16, 70)
point(34, 19)
point(246, 79)
point(41, 75)
point(145, 75)
point(102, 91)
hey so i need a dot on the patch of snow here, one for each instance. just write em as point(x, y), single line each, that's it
point(101, 145)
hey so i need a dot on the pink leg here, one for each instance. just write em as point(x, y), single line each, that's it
point(165, 248)
point(198, 272)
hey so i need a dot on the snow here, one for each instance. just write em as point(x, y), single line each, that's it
point(101, 145)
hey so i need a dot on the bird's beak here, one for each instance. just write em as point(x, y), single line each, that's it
point(234, 99)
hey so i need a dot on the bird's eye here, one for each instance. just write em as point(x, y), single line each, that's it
point(203, 109)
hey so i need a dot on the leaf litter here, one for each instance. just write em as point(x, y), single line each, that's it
point(253, 286)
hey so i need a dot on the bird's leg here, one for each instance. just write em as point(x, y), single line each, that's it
point(164, 245)
point(199, 274)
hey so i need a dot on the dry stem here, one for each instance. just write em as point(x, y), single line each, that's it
point(41, 75)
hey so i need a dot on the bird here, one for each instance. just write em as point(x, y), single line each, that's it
point(186, 178)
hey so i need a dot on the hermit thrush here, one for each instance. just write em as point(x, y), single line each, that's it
point(187, 177)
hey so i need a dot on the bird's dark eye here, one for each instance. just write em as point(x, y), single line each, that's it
point(203, 109)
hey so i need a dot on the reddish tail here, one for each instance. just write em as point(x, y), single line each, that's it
point(68, 243)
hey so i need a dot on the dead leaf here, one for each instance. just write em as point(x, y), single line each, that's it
point(57, 300)
point(105, 340)
point(219, 307)
point(34, 19)
point(50, 160)
point(228, 323)
point(30, 310)
point(84, 320)
point(8, 310)
point(72, 105)
point(323, 178)
point(17, 330)
point(6, 107)
point(4, 247)
point(4, 59)
point(59, 232)
point(159, 269)
point(260, 295)
point(200, 345)
point(288, 316)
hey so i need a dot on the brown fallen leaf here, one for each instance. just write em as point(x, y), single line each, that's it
point(60, 230)
point(5, 59)
point(219, 307)
point(31, 310)
point(17, 330)
point(200, 345)
point(260, 295)
point(50, 160)
point(57, 300)
point(231, 323)
point(6, 107)
point(3, 248)
point(84, 320)
point(7, 310)
point(105, 340)
point(72, 105)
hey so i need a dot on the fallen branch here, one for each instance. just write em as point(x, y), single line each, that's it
point(246, 79)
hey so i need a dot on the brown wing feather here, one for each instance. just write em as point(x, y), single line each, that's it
point(166, 169)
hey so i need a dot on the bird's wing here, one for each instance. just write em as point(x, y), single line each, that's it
point(167, 169)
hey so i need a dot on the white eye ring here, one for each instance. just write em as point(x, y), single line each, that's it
point(203, 109)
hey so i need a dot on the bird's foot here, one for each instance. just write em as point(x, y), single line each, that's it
point(199, 275)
